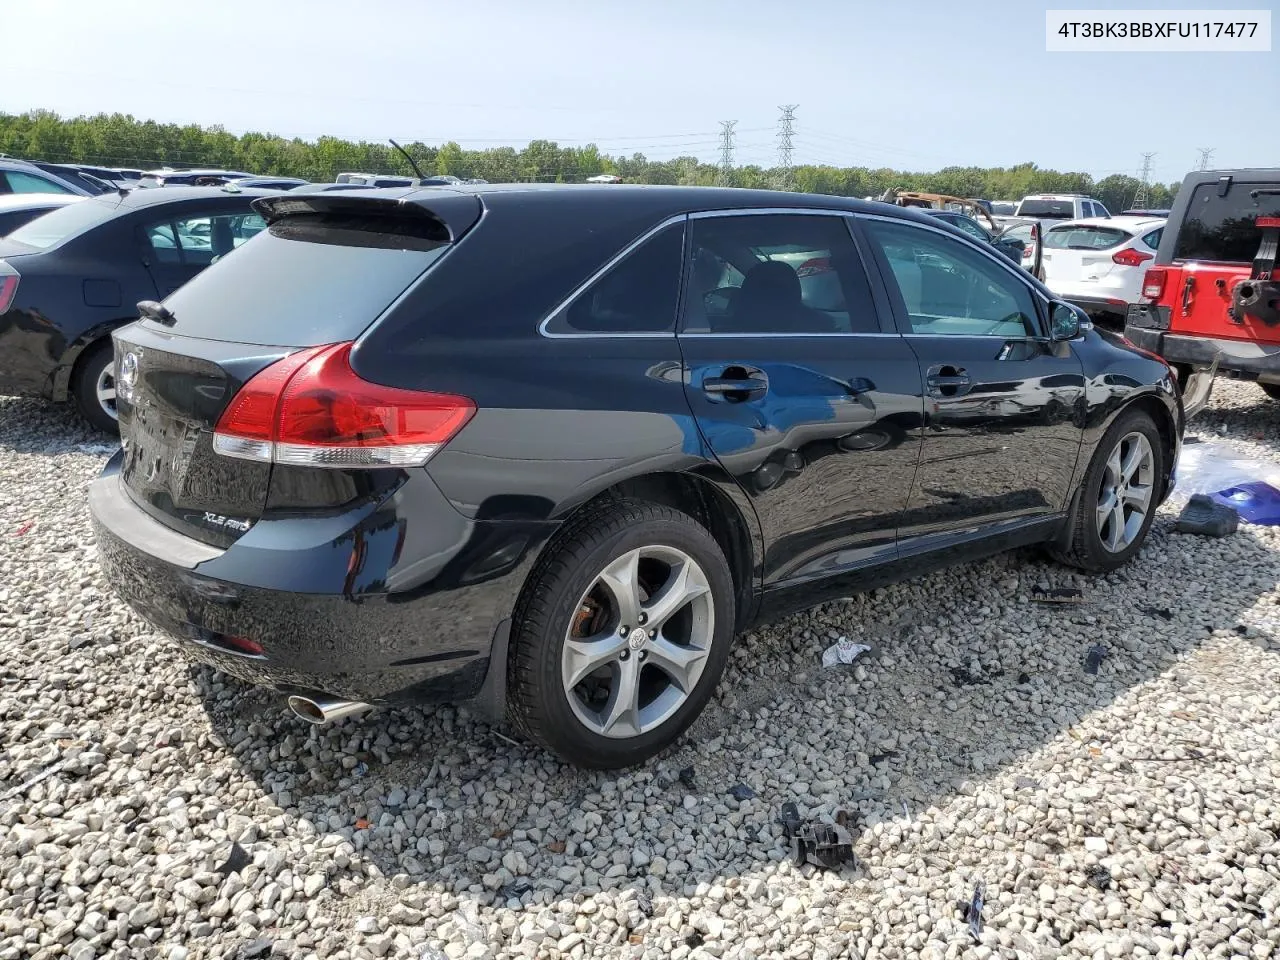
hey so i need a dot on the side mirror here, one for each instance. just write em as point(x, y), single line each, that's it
point(1066, 321)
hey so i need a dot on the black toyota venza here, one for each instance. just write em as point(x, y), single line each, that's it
point(553, 448)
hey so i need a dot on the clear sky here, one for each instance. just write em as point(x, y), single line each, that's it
point(914, 84)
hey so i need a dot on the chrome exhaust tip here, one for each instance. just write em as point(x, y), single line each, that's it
point(322, 709)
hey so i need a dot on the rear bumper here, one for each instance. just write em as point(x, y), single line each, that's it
point(313, 593)
point(1247, 359)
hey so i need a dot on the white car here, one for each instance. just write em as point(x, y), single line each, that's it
point(1060, 206)
point(1098, 263)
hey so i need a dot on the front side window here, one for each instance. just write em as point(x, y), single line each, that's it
point(776, 273)
point(949, 289)
point(638, 294)
point(20, 182)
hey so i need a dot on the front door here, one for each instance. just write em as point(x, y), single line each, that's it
point(799, 391)
point(1002, 404)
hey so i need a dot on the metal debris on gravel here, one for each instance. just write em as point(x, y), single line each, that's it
point(1132, 813)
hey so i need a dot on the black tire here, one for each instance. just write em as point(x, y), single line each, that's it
point(538, 704)
point(84, 386)
point(1272, 390)
point(1086, 549)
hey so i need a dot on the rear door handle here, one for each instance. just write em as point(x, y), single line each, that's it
point(948, 381)
point(727, 386)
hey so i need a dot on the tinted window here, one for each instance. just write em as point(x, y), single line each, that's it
point(66, 222)
point(776, 274)
point(307, 280)
point(20, 182)
point(948, 288)
point(12, 219)
point(639, 294)
point(1047, 209)
point(1152, 239)
point(1223, 228)
point(1084, 237)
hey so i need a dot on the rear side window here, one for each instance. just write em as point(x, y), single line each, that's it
point(776, 274)
point(307, 280)
point(1223, 229)
point(20, 182)
point(13, 219)
point(638, 295)
point(1152, 239)
point(1084, 237)
point(1047, 209)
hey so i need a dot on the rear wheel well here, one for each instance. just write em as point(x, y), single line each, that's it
point(709, 508)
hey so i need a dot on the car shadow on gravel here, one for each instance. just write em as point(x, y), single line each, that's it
point(969, 676)
point(37, 427)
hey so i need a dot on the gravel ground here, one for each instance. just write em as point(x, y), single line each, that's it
point(1131, 813)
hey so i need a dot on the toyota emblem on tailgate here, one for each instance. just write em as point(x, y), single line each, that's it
point(128, 376)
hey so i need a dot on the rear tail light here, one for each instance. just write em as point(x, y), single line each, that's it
point(311, 409)
point(813, 267)
point(1153, 283)
point(8, 288)
point(1131, 258)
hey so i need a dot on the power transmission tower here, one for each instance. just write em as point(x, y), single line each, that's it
point(726, 152)
point(1141, 200)
point(785, 132)
point(1206, 155)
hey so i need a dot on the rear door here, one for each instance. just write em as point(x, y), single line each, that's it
point(802, 394)
point(1002, 433)
point(309, 280)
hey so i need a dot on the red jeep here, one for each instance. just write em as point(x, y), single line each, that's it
point(1211, 303)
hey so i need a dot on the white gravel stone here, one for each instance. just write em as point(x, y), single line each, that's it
point(1128, 814)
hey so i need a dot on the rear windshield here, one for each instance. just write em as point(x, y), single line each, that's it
point(1222, 229)
point(1048, 209)
point(1085, 238)
point(307, 280)
point(67, 222)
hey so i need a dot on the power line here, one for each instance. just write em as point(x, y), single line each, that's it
point(785, 147)
point(726, 151)
point(1206, 155)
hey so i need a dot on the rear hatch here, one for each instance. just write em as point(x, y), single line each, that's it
point(218, 354)
point(1081, 252)
point(1212, 249)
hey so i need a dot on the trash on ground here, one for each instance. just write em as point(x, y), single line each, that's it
point(28, 784)
point(1160, 612)
point(687, 777)
point(882, 756)
point(23, 530)
point(843, 650)
point(1059, 595)
point(742, 792)
point(1229, 477)
point(1207, 517)
point(362, 824)
point(1093, 659)
point(822, 844)
point(972, 910)
point(360, 769)
point(261, 947)
point(237, 859)
point(1099, 877)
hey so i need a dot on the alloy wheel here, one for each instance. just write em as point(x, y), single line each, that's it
point(105, 388)
point(638, 642)
point(1126, 494)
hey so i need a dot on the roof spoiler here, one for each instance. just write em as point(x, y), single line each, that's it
point(455, 213)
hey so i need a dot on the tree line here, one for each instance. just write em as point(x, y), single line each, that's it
point(120, 140)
